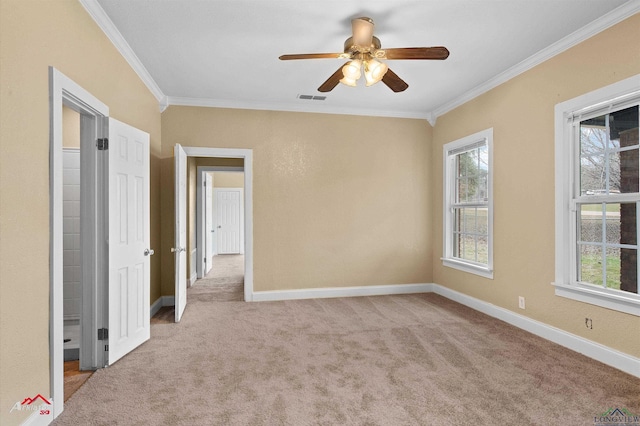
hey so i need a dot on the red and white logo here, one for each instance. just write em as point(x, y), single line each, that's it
point(37, 403)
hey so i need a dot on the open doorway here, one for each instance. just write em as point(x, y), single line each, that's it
point(108, 235)
point(218, 211)
point(220, 230)
point(77, 231)
point(74, 375)
point(186, 169)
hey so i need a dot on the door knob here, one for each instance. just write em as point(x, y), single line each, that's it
point(219, 226)
point(148, 252)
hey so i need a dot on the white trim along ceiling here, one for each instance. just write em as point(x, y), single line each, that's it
point(606, 20)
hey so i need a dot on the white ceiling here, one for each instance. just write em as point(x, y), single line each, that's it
point(225, 52)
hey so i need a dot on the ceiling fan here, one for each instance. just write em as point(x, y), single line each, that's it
point(364, 52)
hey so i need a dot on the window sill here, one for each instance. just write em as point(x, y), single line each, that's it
point(627, 303)
point(482, 271)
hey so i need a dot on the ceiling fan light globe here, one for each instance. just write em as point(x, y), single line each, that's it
point(349, 81)
point(352, 70)
point(374, 71)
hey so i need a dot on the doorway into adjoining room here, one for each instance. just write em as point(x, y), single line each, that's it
point(220, 229)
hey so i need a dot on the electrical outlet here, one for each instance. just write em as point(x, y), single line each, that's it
point(521, 302)
point(588, 322)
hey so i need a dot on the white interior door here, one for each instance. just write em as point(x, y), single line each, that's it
point(208, 227)
point(227, 205)
point(180, 247)
point(129, 252)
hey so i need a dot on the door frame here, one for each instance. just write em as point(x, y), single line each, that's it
point(93, 114)
point(247, 156)
point(201, 210)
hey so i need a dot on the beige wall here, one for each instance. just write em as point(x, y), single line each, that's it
point(228, 180)
point(521, 113)
point(33, 36)
point(219, 162)
point(70, 128)
point(338, 200)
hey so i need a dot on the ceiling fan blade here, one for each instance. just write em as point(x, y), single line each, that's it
point(394, 82)
point(362, 31)
point(313, 56)
point(437, 52)
point(332, 81)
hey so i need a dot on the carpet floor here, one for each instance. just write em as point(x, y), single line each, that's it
point(384, 360)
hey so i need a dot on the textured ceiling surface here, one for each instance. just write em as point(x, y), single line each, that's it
point(225, 52)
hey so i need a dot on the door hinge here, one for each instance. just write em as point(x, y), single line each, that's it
point(102, 144)
point(205, 260)
point(106, 348)
point(103, 333)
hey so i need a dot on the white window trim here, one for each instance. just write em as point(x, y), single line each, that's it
point(448, 260)
point(609, 98)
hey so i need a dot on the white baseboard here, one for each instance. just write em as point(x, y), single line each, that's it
point(193, 278)
point(160, 302)
point(155, 307)
point(321, 293)
point(36, 419)
point(604, 354)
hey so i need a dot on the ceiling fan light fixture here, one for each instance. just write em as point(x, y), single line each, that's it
point(351, 72)
point(363, 49)
point(374, 71)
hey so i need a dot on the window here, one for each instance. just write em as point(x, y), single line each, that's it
point(598, 197)
point(468, 204)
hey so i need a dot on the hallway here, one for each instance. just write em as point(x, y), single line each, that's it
point(225, 281)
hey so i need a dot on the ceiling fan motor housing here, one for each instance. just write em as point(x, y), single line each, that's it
point(351, 47)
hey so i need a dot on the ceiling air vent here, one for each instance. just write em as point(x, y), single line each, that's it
point(312, 97)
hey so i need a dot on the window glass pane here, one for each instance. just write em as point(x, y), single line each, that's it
point(458, 218)
point(629, 270)
point(467, 250)
point(483, 249)
point(593, 141)
point(613, 268)
point(624, 128)
point(482, 220)
point(609, 154)
point(463, 190)
point(592, 174)
point(590, 223)
point(470, 232)
point(628, 170)
point(470, 226)
point(612, 223)
point(621, 223)
point(472, 171)
point(590, 258)
point(628, 224)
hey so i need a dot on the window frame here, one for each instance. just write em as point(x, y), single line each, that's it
point(568, 115)
point(450, 150)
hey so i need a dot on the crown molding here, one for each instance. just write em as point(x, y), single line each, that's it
point(289, 107)
point(106, 25)
point(606, 21)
